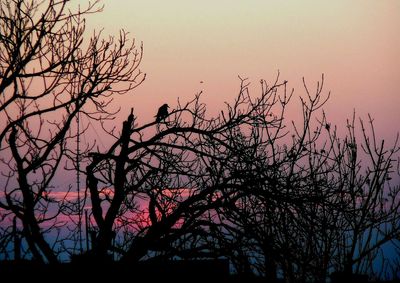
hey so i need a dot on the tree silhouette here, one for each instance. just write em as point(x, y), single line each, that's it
point(276, 197)
point(272, 195)
point(324, 203)
point(49, 74)
point(169, 179)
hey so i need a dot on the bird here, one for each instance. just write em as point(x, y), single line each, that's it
point(328, 126)
point(162, 113)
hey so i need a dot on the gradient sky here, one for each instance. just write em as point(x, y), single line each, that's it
point(356, 44)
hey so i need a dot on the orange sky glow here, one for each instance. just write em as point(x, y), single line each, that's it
point(354, 43)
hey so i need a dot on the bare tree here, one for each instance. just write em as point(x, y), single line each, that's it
point(368, 201)
point(274, 196)
point(162, 181)
point(49, 74)
point(314, 202)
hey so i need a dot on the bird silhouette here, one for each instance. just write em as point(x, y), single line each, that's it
point(162, 113)
point(328, 126)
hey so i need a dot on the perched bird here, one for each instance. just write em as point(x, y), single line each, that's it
point(327, 126)
point(162, 113)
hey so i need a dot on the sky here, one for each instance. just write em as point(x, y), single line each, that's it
point(355, 44)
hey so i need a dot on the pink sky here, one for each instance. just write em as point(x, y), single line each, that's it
point(354, 43)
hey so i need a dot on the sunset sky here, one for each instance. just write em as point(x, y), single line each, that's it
point(203, 46)
point(354, 43)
